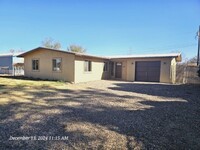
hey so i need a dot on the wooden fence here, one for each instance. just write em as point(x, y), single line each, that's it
point(187, 74)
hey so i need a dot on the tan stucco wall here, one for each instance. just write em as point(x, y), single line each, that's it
point(97, 72)
point(166, 73)
point(45, 65)
point(73, 67)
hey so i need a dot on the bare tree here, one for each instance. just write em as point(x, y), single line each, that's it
point(50, 43)
point(20, 50)
point(12, 51)
point(76, 48)
point(193, 60)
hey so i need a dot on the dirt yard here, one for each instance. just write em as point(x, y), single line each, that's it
point(98, 115)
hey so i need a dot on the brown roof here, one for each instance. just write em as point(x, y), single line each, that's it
point(62, 51)
point(173, 55)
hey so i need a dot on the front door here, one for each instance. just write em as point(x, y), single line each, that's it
point(118, 70)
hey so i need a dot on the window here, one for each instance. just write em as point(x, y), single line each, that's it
point(105, 67)
point(112, 68)
point(87, 66)
point(35, 64)
point(56, 64)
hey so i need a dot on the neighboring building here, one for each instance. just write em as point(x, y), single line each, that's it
point(53, 64)
point(7, 61)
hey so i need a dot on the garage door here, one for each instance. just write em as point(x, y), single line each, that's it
point(148, 71)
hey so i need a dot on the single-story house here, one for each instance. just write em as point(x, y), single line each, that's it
point(8, 61)
point(46, 63)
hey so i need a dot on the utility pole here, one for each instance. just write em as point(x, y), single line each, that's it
point(198, 51)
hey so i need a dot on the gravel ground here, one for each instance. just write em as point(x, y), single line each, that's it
point(101, 115)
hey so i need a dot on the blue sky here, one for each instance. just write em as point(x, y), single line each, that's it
point(103, 27)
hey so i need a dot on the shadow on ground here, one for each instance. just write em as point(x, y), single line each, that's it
point(104, 119)
point(186, 91)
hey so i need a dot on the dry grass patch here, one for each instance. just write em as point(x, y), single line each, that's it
point(99, 115)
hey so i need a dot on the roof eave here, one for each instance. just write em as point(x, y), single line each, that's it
point(178, 57)
point(84, 55)
point(76, 54)
point(142, 57)
point(28, 52)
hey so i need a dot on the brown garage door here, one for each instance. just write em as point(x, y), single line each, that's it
point(147, 71)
